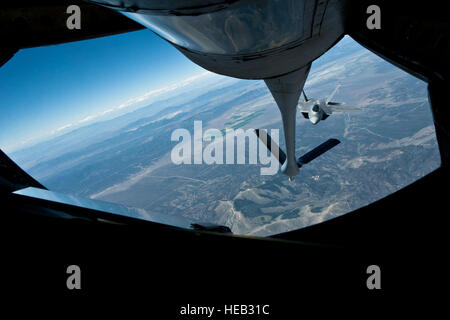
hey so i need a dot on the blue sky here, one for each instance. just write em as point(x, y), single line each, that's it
point(45, 88)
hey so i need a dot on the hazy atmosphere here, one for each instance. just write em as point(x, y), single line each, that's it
point(123, 155)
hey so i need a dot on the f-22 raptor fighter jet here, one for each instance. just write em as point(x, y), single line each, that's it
point(316, 110)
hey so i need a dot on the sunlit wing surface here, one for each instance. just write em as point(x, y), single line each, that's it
point(342, 108)
point(302, 107)
point(96, 209)
point(326, 108)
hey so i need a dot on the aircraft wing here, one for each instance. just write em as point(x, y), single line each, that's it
point(326, 108)
point(302, 107)
point(341, 107)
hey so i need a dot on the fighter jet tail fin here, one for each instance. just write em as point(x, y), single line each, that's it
point(304, 94)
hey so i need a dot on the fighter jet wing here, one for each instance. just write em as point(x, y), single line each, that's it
point(335, 106)
point(326, 108)
point(302, 107)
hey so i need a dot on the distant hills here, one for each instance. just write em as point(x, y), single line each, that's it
point(387, 146)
